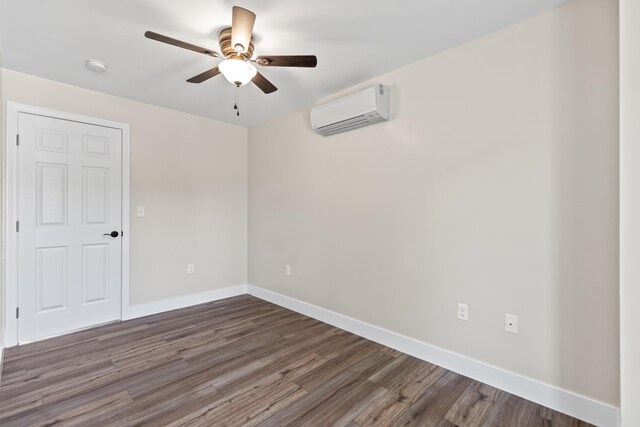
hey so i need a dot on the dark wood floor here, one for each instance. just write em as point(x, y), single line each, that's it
point(242, 361)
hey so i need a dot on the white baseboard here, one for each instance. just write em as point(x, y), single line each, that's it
point(135, 311)
point(564, 401)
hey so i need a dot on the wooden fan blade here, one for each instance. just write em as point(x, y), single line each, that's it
point(204, 76)
point(241, 28)
point(309, 61)
point(179, 43)
point(265, 85)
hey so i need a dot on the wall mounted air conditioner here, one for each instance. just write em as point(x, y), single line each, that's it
point(351, 112)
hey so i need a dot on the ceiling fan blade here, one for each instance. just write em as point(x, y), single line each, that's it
point(204, 76)
point(179, 43)
point(309, 61)
point(241, 28)
point(265, 85)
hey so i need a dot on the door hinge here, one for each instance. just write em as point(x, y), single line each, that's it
point(18, 140)
point(17, 226)
point(17, 312)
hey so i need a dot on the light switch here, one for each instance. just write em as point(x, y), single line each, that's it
point(140, 212)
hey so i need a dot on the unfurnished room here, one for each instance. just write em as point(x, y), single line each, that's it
point(333, 213)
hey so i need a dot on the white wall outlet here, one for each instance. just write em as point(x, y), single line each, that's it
point(511, 323)
point(140, 212)
point(190, 268)
point(287, 270)
point(463, 312)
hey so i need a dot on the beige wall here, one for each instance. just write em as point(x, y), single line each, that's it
point(495, 184)
point(630, 210)
point(188, 172)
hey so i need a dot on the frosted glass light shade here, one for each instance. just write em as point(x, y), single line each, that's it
point(237, 71)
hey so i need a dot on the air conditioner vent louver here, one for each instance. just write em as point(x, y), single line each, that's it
point(355, 111)
point(343, 125)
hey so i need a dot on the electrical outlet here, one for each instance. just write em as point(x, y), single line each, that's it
point(287, 270)
point(140, 212)
point(463, 312)
point(511, 323)
point(190, 268)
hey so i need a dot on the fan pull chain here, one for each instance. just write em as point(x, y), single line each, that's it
point(235, 106)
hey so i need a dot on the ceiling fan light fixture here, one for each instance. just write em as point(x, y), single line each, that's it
point(237, 71)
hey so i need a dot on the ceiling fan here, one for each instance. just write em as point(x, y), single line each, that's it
point(237, 45)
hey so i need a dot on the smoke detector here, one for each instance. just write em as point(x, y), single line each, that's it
point(95, 65)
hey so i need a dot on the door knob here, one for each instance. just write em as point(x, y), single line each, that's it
point(112, 234)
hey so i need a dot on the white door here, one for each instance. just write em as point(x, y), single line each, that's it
point(69, 203)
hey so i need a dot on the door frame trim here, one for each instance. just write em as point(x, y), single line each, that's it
point(10, 210)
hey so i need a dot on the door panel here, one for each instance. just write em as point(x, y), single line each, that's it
point(95, 273)
point(52, 281)
point(95, 146)
point(51, 193)
point(52, 140)
point(95, 196)
point(70, 199)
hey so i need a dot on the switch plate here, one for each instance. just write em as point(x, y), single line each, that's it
point(140, 212)
point(463, 312)
point(287, 270)
point(190, 268)
point(511, 323)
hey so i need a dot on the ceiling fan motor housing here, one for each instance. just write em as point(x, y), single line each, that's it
point(229, 51)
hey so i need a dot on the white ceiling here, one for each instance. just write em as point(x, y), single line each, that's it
point(354, 40)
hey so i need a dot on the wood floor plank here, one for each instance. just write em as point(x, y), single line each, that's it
point(246, 406)
point(344, 405)
point(16, 406)
point(38, 379)
point(53, 357)
point(403, 391)
point(432, 406)
point(371, 363)
point(344, 362)
point(473, 405)
point(514, 411)
point(313, 399)
point(164, 405)
point(283, 368)
point(254, 391)
point(81, 415)
point(242, 362)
